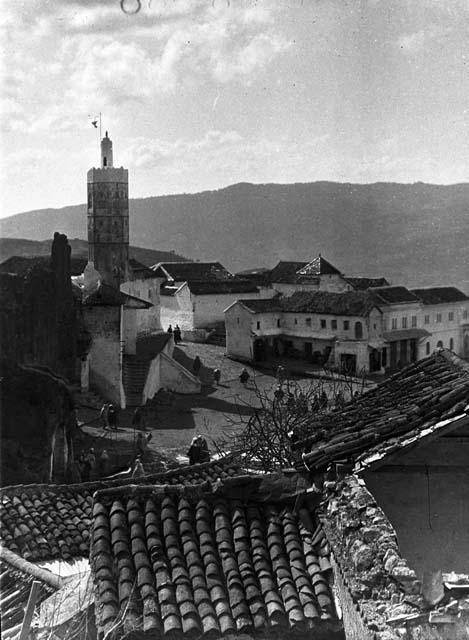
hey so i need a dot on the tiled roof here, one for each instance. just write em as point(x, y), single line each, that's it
point(319, 267)
point(183, 271)
point(198, 562)
point(106, 296)
point(233, 285)
point(286, 271)
point(394, 295)
point(409, 404)
point(349, 303)
point(440, 295)
point(53, 521)
point(360, 284)
point(140, 271)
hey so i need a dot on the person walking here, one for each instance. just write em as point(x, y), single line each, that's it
point(216, 376)
point(170, 329)
point(244, 377)
point(177, 334)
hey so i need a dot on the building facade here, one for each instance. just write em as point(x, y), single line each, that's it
point(340, 330)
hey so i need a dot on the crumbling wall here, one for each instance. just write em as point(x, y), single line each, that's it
point(38, 317)
point(36, 413)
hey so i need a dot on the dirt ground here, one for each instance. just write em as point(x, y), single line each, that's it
point(215, 413)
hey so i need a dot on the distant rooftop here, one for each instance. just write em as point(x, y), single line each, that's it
point(440, 295)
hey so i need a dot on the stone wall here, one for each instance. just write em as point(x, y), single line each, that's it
point(36, 413)
point(38, 317)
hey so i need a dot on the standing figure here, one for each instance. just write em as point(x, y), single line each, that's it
point(196, 365)
point(137, 418)
point(216, 376)
point(138, 470)
point(104, 463)
point(177, 334)
point(170, 329)
point(103, 414)
point(112, 417)
point(244, 377)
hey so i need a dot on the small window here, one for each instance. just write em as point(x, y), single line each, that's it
point(149, 294)
point(394, 323)
point(465, 314)
point(333, 324)
point(258, 325)
point(451, 316)
point(414, 321)
point(308, 322)
point(374, 327)
point(237, 320)
point(404, 323)
point(296, 321)
point(427, 320)
point(346, 325)
point(427, 348)
point(278, 322)
point(323, 323)
point(438, 317)
point(451, 344)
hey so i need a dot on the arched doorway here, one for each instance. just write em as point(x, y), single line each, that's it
point(439, 344)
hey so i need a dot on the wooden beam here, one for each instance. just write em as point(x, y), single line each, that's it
point(28, 615)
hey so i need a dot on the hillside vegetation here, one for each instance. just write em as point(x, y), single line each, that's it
point(415, 234)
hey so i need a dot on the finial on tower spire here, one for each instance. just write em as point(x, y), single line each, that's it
point(106, 152)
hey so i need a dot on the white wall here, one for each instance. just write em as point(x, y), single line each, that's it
point(445, 329)
point(104, 324)
point(238, 332)
point(334, 283)
point(209, 309)
point(177, 309)
point(148, 320)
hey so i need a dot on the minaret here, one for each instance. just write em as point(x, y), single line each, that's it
point(108, 219)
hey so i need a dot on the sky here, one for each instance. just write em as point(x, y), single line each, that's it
point(200, 94)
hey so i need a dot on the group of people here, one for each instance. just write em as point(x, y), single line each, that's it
point(89, 466)
point(108, 417)
point(176, 333)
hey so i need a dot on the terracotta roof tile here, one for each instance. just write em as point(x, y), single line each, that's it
point(408, 405)
point(51, 521)
point(198, 561)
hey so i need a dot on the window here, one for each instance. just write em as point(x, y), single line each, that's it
point(438, 317)
point(333, 324)
point(258, 325)
point(414, 321)
point(149, 293)
point(323, 323)
point(427, 348)
point(465, 314)
point(394, 323)
point(404, 323)
point(439, 344)
point(308, 322)
point(346, 325)
point(278, 322)
point(237, 320)
point(427, 320)
point(451, 316)
point(296, 321)
point(451, 344)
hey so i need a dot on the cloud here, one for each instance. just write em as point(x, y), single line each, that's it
point(81, 52)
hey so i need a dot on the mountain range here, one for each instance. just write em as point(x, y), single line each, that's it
point(412, 234)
